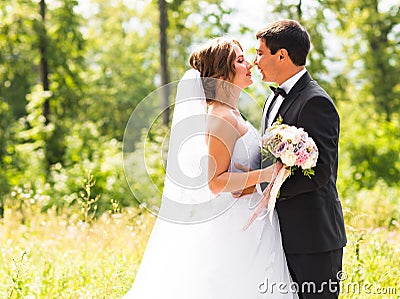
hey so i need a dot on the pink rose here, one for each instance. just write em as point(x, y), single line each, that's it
point(301, 157)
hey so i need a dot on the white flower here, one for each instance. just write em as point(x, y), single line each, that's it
point(310, 163)
point(289, 133)
point(288, 158)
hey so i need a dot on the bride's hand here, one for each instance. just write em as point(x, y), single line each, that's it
point(268, 172)
point(240, 193)
point(278, 164)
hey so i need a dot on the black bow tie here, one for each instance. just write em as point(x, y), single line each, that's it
point(278, 91)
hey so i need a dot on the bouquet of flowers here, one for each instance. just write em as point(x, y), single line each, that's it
point(294, 149)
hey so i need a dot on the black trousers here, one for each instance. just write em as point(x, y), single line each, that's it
point(316, 275)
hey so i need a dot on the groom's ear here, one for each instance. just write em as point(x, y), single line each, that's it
point(283, 53)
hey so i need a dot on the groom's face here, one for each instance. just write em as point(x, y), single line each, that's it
point(266, 62)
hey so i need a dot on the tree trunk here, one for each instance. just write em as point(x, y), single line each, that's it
point(163, 60)
point(44, 71)
point(299, 11)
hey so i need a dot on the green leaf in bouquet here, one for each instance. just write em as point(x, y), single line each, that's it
point(308, 172)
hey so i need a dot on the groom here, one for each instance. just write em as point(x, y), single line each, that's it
point(310, 213)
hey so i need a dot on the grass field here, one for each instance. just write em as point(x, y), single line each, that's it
point(48, 255)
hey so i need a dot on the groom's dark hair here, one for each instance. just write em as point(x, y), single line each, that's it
point(289, 35)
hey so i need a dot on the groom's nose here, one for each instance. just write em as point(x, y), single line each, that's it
point(255, 60)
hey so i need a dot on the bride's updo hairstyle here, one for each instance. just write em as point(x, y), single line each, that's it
point(215, 60)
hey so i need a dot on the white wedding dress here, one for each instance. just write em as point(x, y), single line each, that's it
point(216, 258)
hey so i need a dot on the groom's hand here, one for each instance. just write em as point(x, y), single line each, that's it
point(248, 190)
point(242, 167)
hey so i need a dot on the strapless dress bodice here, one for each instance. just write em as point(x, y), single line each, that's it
point(247, 150)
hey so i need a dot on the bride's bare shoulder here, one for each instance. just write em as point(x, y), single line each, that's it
point(221, 120)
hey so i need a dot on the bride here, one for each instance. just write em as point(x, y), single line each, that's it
point(197, 249)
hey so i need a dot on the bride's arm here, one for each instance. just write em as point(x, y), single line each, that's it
point(222, 136)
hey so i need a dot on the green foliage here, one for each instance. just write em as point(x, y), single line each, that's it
point(145, 167)
point(23, 33)
point(86, 151)
point(26, 161)
point(374, 208)
point(65, 49)
point(18, 280)
point(375, 155)
point(17, 35)
point(88, 204)
point(6, 141)
point(371, 33)
point(123, 55)
point(369, 149)
point(370, 265)
point(191, 23)
point(56, 256)
point(102, 62)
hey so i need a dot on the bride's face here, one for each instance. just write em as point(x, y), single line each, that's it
point(242, 66)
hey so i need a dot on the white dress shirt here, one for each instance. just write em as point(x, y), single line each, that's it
point(286, 86)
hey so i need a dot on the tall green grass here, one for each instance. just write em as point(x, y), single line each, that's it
point(65, 255)
point(58, 256)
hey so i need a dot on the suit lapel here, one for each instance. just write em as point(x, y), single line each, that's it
point(293, 95)
point(263, 117)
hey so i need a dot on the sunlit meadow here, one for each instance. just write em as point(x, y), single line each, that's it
point(70, 255)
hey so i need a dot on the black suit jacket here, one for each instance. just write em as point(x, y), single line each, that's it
point(310, 213)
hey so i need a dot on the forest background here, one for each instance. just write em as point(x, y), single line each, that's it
point(72, 73)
